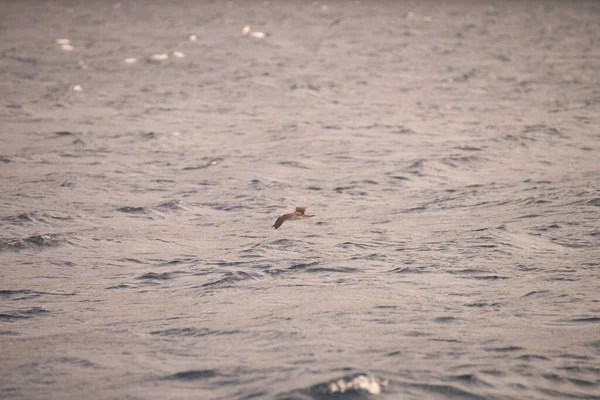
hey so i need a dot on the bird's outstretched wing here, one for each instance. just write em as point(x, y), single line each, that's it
point(281, 220)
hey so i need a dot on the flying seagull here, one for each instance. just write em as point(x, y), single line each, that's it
point(298, 214)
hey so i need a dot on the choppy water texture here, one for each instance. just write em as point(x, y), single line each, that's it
point(450, 150)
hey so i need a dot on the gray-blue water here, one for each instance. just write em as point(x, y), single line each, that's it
point(450, 151)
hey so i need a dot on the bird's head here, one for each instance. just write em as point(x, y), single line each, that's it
point(302, 208)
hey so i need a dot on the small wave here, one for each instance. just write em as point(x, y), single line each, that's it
point(175, 204)
point(302, 265)
point(528, 216)
point(222, 263)
point(564, 243)
point(455, 161)
point(468, 148)
point(273, 271)
point(469, 271)
point(227, 207)
point(283, 242)
point(394, 129)
point(541, 128)
point(121, 286)
point(232, 277)
point(414, 209)
point(448, 391)
point(35, 241)
point(567, 395)
point(80, 362)
point(193, 375)
point(179, 261)
point(444, 340)
point(408, 270)
point(64, 133)
point(586, 320)
point(575, 357)
point(20, 219)
point(347, 387)
point(342, 189)
point(484, 246)
point(9, 244)
point(469, 379)
point(482, 304)
point(417, 165)
point(132, 210)
point(29, 294)
point(149, 136)
point(489, 277)
point(332, 269)
point(347, 245)
point(157, 276)
point(182, 332)
point(404, 131)
point(209, 163)
point(536, 292)
point(47, 240)
point(504, 349)
point(444, 320)
point(594, 202)
point(293, 164)
point(130, 260)
point(532, 357)
point(22, 314)
point(193, 332)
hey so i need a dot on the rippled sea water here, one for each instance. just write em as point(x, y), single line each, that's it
point(450, 151)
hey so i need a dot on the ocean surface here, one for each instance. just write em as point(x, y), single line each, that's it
point(450, 151)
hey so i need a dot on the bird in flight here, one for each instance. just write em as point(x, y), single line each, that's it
point(298, 214)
